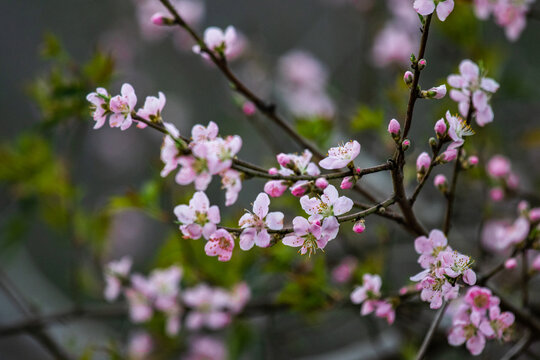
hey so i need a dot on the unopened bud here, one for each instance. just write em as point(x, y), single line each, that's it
point(321, 183)
point(359, 226)
point(249, 108)
point(432, 142)
point(441, 183)
point(408, 78)
point(283, 159)
point(406, 144)
point(161, 20)
point(347, 182)
point(273, 171)
point(422, 63)
point(510, 263)
point(472, 160)
point(440, 128)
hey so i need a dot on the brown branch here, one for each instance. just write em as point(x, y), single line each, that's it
point(431, 332)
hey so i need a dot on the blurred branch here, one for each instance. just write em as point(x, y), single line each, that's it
point(519, 347)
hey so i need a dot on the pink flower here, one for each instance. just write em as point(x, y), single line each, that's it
point(99, 106)
point(426, 7)
point(206, 348)
point(239, 297)
point(199, 218)
point(114, 273)
point(223, 42)
point(423, 162)
point(385, 310)
point(200, 133)
point(343, 272)
point(122, 106)
point(299, 188)
point(370, 289)
point(480, 298)
point(152, 109)
point(207, 307)
point(327, 205)
point(311, 236)
point(255, 224)
point(512, 16)
point(140, 346)
point(470, 85)
point(457, 129)
point(169, 150)
point(498, 167)
point(220, 244)
point(341, 156)
point(394, 127)
point(231, 181)
point(140, 309)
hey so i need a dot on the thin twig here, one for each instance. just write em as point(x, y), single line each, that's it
point(431, 332)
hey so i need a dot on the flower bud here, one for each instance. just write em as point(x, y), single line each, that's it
point(299, 188)
point(450, 155)
point(473, 160)
point(534, 215)
point(406, 144)
point(422, 162)
point(394, 128)
point(275, 188)
point(422, 63)
point(496, 194)
point(440, 128)
point(441, 183)
point(359, 226)
point(408, 77)
point(347, 182)
point(523, 206)
point(510, 263)
point(432, 142)
point(321, 183)
point(434, 93)
point(160, 20)
point(283, 159)
point(249, 108)
point(512, 181)
point(273, 171)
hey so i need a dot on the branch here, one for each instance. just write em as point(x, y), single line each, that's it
point(431, 332)
point(452, 194)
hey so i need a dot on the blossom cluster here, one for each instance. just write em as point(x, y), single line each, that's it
point(443, 267)
point(509, 14)
point(369, 295)
point(204, 306)
point(472, 88)
point(478, 318)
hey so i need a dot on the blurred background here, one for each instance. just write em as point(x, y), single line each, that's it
point(72, 199)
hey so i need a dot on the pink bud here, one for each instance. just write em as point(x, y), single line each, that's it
point(534, 214)
point(469, 277)
point(158, 19)
point(422, 63)
point(403, 290)
point(440, 127)
point(283, 159)
point(450, 154)
point(275, 188)
point(536, 263)
point(473, 160)
point(347, 183)
point(406, 144)
point(510, 263)
point(249, 108)
point(523, 206)
point(512, 181)
point(408, 78)
point(440, 181)
point(299, 188)
point(498, 166)
point(358, 170)
point(273, 171)
point(437, 92)
point(316, 222)
point(359, 226)
point(321, 183)
point(394, 127)
point(496, 194)
point(423, 161)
